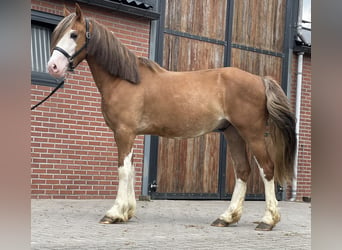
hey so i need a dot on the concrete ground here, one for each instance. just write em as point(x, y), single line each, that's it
point(165, 224)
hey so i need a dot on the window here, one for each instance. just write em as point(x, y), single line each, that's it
point(306, 22)
point(306, 15)
point(42, 25)
point(40, 41)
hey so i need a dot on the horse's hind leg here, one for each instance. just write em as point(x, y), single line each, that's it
point(125, 203)
point(237, 148)
point(266, 167)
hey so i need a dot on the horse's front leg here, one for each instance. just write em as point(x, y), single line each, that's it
point(125, 203)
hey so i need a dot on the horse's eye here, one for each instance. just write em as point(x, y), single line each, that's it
point(73, 35)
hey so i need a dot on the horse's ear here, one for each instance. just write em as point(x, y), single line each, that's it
point(66, 12)
point(79, 13)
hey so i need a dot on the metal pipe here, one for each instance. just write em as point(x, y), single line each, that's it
point(298, 102)
point(298, 115)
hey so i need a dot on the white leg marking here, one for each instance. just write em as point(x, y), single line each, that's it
point(272, 215)
point(125, 203)
point(130, 188)
point(234, 211)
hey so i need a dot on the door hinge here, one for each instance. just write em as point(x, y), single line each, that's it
point(153, 187)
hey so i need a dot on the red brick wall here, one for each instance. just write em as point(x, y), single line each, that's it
point(73, 153)
point(304, 164)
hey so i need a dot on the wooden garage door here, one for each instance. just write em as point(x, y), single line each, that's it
point(202, 34)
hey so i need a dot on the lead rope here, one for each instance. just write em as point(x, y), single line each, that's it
point(52, 92)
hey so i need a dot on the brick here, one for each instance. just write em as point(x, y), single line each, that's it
point(58, 197)
point(79, 192)
point(37, 191)
point(65, 192)
point(51, 192)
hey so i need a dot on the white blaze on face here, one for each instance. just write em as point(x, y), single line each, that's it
point(58, 63)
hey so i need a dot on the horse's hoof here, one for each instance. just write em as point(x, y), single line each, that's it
point(262, 226)
point(109, 220)
point(220, 223)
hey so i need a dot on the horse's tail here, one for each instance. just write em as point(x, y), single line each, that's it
point(282, 123)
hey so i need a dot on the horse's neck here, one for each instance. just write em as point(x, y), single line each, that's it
point(101, 77)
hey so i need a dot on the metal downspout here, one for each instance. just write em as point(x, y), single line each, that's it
point(298, 106)
point(298, 103)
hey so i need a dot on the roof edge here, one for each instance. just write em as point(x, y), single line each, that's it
point(135, 8)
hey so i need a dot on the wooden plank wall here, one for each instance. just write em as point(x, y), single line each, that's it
point(259, 24)
point(188, 166)
point(259, 64)
point(205, 18)
point(184, 54)
point(191, 165)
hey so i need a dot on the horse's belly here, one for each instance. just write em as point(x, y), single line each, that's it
point(188, 128)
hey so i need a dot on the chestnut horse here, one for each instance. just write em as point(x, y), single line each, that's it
point(139, 97)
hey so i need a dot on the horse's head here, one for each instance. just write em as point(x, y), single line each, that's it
point(69, 43)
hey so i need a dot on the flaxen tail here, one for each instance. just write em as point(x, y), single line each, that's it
point(282, 124)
